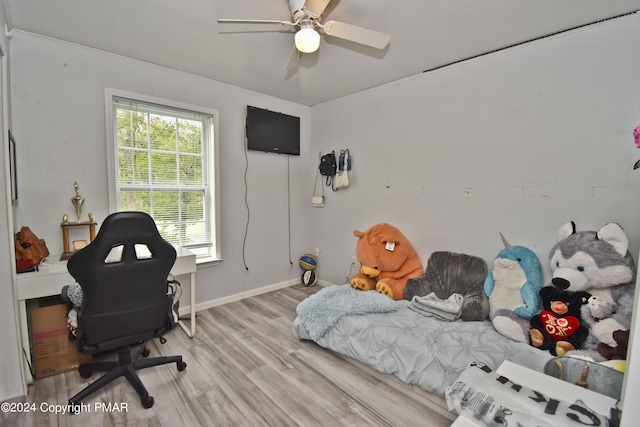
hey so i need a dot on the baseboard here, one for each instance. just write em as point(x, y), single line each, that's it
point(242, 295)
point(324, 283)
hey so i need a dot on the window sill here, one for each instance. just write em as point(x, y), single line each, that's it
point(207, 262)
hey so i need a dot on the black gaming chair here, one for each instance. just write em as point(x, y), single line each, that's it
point(123, 275)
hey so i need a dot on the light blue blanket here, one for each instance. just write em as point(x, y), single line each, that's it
point(322, 310)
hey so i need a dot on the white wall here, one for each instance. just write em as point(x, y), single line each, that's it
point(517, 142)
point(11, 383)
point(59, 122)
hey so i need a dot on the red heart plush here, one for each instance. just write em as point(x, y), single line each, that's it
point(559, 328)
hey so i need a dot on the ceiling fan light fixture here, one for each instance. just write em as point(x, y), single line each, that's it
point(307, 38)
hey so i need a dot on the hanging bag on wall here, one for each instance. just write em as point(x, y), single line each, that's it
point(30, 250)
point(344, 165)
point(328, 167)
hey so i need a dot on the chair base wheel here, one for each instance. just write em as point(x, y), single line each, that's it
point(145, 353)
point(147, 402)
point(181, 366)
point(85, 372)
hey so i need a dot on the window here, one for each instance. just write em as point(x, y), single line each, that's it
point(162, 161)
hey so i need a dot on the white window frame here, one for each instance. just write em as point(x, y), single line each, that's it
point(212, 159)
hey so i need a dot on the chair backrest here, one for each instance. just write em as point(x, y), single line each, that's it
point(123, 275)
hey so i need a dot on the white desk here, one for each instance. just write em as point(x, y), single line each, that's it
point(53, 275)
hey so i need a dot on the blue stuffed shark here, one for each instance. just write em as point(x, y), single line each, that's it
point(513, 288)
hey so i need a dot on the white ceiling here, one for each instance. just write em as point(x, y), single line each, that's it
point(185, 35)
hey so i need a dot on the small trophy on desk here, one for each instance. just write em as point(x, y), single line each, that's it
point(78, 201)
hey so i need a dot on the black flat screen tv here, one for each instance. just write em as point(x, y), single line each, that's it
point(272, 132)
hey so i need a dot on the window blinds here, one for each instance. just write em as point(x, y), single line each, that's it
point(162, 168)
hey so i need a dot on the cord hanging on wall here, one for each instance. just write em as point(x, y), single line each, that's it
point(636, 137)
point(246, 203)
point(318, 200)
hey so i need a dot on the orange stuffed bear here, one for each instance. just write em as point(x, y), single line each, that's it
point(387, 261)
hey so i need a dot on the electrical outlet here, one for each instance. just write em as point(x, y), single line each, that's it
point(354, 260)
point(317, 251)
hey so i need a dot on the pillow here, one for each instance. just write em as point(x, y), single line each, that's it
point(448, 273)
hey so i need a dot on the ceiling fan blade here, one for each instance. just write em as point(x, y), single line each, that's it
point(254, 21)
point(293, 63)
point(315, 7)
point(357, 34)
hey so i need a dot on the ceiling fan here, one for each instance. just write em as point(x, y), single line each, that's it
point(307, 17)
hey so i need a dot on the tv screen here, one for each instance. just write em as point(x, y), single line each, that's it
point(272, 132)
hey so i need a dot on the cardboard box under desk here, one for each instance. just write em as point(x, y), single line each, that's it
point(53, 352)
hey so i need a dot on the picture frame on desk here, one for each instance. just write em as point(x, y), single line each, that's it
point(79, 244)
point(12, 169)
point(68, 250)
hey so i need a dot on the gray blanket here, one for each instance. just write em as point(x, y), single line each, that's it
point(422, 350)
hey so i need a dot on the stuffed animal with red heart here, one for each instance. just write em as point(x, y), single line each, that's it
point(559, 328)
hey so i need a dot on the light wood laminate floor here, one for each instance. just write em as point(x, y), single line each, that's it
point(244, 368)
